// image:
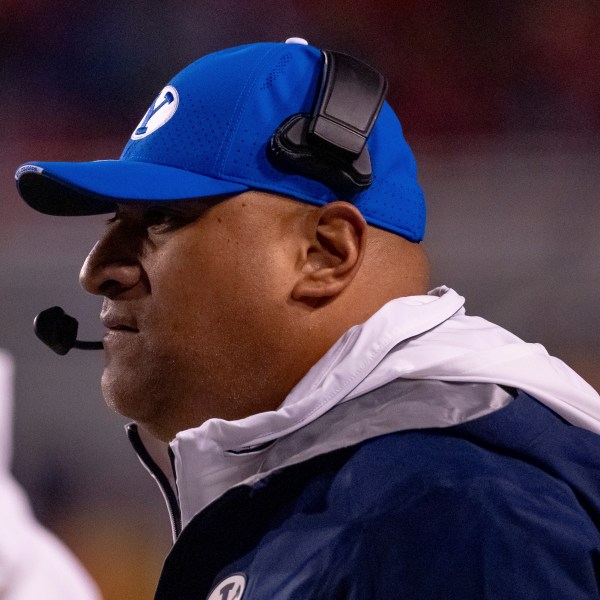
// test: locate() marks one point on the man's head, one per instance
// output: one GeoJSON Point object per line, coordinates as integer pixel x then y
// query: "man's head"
{"type": "Point", "coordinates": [226, 277]}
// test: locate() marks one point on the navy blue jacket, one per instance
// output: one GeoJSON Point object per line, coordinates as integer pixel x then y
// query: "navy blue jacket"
{"type": "Point", "coordinates": [503, 507]}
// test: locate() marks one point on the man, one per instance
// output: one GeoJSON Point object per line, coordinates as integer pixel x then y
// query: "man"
{"type": "Point", "coordinates": [334, 431]}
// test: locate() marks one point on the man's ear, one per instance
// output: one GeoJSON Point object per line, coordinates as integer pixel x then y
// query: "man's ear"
{"type": "Point", "coordinates": [334, 253]}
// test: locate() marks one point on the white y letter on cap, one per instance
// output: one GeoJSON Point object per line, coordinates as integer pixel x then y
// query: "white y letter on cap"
{"type": "Point", "coordinates": [161, 110]}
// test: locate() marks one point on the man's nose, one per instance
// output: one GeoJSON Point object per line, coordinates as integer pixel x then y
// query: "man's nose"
{"type": "Point", "coordinates": [112, 268]}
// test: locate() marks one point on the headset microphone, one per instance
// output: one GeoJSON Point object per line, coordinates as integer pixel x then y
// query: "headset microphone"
{"type": "Point", "coordinates": [59, 330]}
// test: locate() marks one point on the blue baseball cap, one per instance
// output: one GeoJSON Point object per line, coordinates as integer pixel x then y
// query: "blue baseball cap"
{"type": "Point", "coordinates": [206, 134]}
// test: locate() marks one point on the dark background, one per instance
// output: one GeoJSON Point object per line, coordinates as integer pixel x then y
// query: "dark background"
{"type": "Point", "coordinates": [499, 100]}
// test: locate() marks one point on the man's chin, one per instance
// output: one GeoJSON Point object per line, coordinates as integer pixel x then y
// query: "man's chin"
{"type": "Point", "coordinates": [136, 402]}
{"type": "Point", "coordinates": [121, 397]}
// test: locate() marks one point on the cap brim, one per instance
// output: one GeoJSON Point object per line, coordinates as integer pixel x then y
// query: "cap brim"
{"type": "Point", "coordinates": [92, 188]}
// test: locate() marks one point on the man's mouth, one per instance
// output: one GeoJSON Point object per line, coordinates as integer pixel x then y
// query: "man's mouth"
{"type": "Point", "coordinates": [122, 328]}
{"type": "Point", "coordinates": [115, 323]}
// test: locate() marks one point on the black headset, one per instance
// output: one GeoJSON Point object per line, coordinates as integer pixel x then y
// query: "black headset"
{"type": "Point", "coordinates": [329, 144]}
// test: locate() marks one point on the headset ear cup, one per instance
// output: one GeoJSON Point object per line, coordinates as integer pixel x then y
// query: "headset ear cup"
{"type": "Point", "coordinates": [288, 147]}
{"type": "Point", "coordinates": [290, 152]}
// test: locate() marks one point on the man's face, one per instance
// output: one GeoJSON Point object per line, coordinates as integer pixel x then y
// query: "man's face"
{"type": "Point", "coordinates": [194, 300]}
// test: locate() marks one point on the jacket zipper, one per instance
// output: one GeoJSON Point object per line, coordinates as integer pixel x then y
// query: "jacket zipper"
{"type": "Point", "coordinates": [158, 475]}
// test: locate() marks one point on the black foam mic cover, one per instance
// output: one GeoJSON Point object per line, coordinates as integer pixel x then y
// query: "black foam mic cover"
{"type": "Point", "coordinates": [59, 331]}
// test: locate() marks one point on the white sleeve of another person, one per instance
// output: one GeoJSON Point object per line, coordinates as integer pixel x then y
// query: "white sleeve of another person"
{"type": "Point", "coordinates": [33, 562]}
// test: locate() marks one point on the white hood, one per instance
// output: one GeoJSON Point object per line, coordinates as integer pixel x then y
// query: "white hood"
{"type": "Point", "coordinates": [471, 349]}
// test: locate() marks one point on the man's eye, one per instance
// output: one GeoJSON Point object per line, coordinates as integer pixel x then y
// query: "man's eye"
{"type": "Point", "coordinates": [155, 219]}
{"type": "Point", "coordinates": [160, 219]}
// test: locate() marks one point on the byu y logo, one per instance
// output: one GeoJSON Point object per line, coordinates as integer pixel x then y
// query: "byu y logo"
{"type": "Point", "coordinates": [231, 588]}
{"type": "Point", "coordinates": [161, 110]}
